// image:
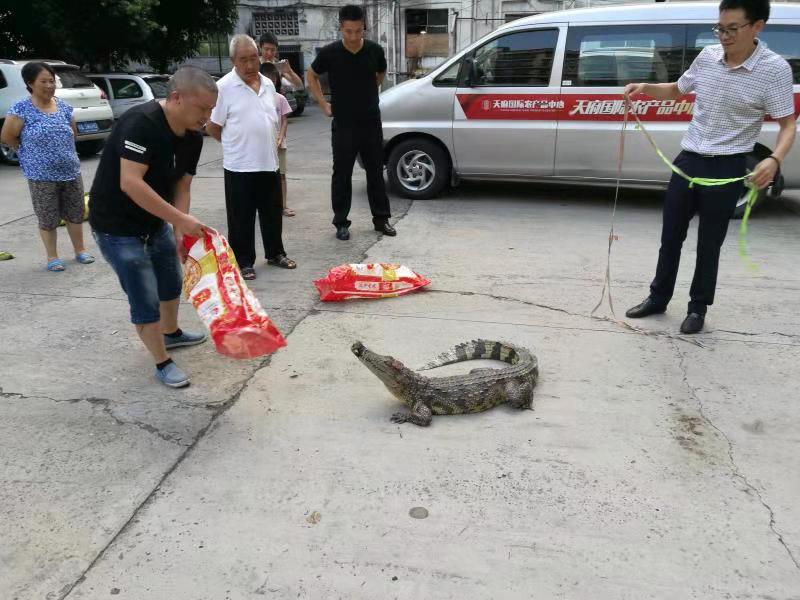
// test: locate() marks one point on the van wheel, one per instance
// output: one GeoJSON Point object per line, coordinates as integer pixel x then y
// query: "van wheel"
{"type": "Point", "coordinates": [9, 155]}
{"type": "Point", "coordinates": [418, 168]}
{"type": "Point", "coordinates": [752, 161]}
{"type": "Point", "coordinates": [89, 148]}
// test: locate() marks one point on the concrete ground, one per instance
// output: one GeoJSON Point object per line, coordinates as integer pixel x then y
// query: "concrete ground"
{"type": "Point", "coordinates": [651, 467]}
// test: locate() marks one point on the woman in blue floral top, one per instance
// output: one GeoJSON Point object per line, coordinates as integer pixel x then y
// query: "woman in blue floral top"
{"type": "Point", "coordinates": [43, 129]}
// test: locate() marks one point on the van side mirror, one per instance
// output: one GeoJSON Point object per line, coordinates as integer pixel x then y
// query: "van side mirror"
{"type": "Point", "coordinates": [470, 72]}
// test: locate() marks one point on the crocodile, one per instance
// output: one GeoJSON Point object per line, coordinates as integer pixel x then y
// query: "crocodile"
{"type": "Point", "coordinates": [479, 390]}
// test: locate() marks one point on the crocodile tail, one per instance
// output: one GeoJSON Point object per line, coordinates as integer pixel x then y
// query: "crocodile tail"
{"type": "Point", "coordinates": [473, 350]}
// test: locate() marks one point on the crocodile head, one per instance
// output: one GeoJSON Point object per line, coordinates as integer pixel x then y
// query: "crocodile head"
{"type": "Point", "coordinates": [394, 374]}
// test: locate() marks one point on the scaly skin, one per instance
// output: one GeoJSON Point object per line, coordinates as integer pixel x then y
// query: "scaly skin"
{"type": "Point", "coordinates": [479, 390]}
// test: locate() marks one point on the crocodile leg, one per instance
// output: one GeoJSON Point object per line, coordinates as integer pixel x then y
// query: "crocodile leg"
{"type": "Point", "coordinates": [520, 395]}
{"type": "Point", "coordinates": [420, 415]}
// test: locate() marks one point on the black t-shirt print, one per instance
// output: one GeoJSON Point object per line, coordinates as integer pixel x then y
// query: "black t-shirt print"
{"type": "Point", "coordinates": [141, 135]}
{"type": "Point", "coordinates": [352, 78]}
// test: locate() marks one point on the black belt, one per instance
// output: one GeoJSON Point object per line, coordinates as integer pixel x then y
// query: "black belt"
{"type": "Point", "coordinates": [739, 155]}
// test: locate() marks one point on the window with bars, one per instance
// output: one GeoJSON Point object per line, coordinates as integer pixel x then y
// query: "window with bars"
{"type": "Point", "coordinates": [279, 22]}
{"type": "Point", "coordinates": [426, 20]}
{"type": "Point", "coordinates": [426, 32]}
{"type": "Point", "coordinates": [213, 46]}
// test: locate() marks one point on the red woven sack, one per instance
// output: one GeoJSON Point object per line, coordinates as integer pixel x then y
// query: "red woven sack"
{"type": "Point", "coordinates": [239, 327]}
{"type": "Point", "coordinates": [374, 280]}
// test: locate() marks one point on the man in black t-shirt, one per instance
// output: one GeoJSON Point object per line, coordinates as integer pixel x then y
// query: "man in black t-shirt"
{"type": "Point", "coordinates": [355, 69]}
{"type": "Point", "coordinates": [142, 183]}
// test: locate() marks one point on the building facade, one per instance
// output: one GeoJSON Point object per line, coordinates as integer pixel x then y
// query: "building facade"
{"type": "Point", "coordinates": [416, 35]}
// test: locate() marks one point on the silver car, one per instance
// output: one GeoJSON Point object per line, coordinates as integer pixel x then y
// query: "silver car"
{"type": "Point", "coordinates": [126, 90]}
{"type": "Point", "coordinates": [93, 115]}
{"type": "Point", "coordinates": [540, 99]}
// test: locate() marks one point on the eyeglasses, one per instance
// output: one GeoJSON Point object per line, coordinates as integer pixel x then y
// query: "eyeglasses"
{"type": "Point", "coordinates": [731, 31]}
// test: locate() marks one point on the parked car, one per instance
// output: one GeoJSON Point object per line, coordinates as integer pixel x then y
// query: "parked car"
{"type": "Point", "coordinates": [295, 97]}
{"type": "Point", "coordinates": [540, 99]}
{"type": "Point", "coordinates": [126, 90]}
{"type": "Point", "coordinates": [93, 115]}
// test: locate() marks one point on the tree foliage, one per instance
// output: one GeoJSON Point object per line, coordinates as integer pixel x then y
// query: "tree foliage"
{"type": "Point", "coordinates": [108, 33]}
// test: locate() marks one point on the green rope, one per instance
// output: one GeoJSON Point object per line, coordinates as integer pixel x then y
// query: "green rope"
{"type": "Point", "coordinates": [752, 191]}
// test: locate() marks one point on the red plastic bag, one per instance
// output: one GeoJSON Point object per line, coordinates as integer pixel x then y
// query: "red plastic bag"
{"type": "Point", "coordinates": [239, 327]}
{"type": "Point", "coordinates": [374, 280]}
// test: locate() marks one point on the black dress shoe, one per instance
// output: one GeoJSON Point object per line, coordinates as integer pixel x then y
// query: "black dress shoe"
{"type": "Point", "coordinates": [645, 309]}
{"type": "Point", "coordinates": [385, 228]}
{"type": "Point", "coordinates": [693, 323]}
{"type": "Point", "coordinates": [342, 233]}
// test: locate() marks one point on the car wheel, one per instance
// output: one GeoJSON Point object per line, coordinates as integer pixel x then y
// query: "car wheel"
{"type": "Point", "coordinates": [299, 110]}
{"type": "Point", "coordinates": [89, 148]}
{"type": "Point", "coordinates": [741, 203]}
{"type": "Point", "coordinates": [418, 168]}
{"type": "Point", "coordinates": [9, 155]}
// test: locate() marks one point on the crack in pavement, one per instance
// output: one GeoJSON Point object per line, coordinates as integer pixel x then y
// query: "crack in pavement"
{"type": "Point", "coordinates": [633, 329]}
{"type": "Point", "coordinates": [217, 411]}
{"type": "Point", "coordinates": [653, 333]}
{"type": "Point", "coordinates": [629, 329]}
{"type": "Point", "coordinates": [63, 296]}
{"type": "Point", "coordinates": [750, 489]}
{"type": "Point", "coordinates": [614, 321]}
{"type": "Point", "coordinates": [105, 403]}
{"type": "Point", "coordinates": [12, 221]}
{"type": "Point", "coordinates": [792, 336]}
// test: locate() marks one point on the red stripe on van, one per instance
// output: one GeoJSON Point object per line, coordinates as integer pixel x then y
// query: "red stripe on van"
{"type": "Point", "coordinates": [575, 107]}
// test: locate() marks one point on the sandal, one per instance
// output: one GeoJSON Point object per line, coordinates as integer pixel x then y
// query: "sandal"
{"type": "Point", "coordinates": [282, 261]}
{"type": "Point", "coordinates": [55, 265]}
{"type": "Point", "coordinates": [84, 258]}
{"type": "Point", "coordinates": [248, 273]}
{"type": "Point", "coordinates": [288, 212]}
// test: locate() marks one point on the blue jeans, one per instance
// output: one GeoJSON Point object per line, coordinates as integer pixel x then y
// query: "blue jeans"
{"type": "Point", "coordinates": [148, 270]}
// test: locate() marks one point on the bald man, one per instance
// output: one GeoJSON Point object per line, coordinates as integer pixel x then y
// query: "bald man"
{"type": "Point", "coordinates": [143, 184]}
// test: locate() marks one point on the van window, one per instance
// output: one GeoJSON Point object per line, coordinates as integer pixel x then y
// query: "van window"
{"type": "Point", "coordinates": [124, 89]}
{"type": "Point", "coordinates": [783, 39]}
{"type": "Point", "coordinates": [449, 77]}
{"type": "Point", "coordinates": [157, 86]}
{"type": "Point", "coordinates": [523, 58]}
{"type": "Point", "coordinates": [3, 82]}
{"type": "Point", "coordinates": [617, 55]}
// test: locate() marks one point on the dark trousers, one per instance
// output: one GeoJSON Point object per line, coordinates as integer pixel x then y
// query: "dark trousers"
{"type": "Point", "coordinates": [348, 141]}
{"type": "Point", "coordinates": [245, 195]}
{"type": "Point", "coordinates": [714, 207]}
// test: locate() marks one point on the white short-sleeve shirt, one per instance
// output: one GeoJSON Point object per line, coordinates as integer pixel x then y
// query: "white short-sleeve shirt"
{"type": "Point", "coordinates": [731, 103]}
{"type": "Point", "coordinates": [249, 122]}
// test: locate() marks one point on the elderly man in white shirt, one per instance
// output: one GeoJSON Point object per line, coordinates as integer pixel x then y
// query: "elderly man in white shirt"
{"type": "Point", "coordinates": [245, 121]}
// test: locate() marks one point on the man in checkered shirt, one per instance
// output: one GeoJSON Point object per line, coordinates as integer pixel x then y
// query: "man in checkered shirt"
{"type": "Point", "coordinates": [737, 83]}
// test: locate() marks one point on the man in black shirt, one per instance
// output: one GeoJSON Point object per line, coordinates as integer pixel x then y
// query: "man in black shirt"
{"type": "Point", "coordinates": [143, 180]}
{"type": "Point", "coordinates": [355, 69]}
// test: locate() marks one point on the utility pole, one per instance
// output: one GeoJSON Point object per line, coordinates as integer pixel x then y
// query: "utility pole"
{"type": "Point", "coordinates": [455, 32]}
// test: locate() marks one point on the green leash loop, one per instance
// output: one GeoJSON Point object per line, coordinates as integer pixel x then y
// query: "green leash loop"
{"type": "Point", "coordinates": [752, 190]}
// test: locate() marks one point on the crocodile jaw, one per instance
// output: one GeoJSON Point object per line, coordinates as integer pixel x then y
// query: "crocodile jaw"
{"type": "Point", "coordinates": [392, 373]}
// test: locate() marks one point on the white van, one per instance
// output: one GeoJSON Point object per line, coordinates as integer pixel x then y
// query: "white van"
{"type": "Point", "coordinates": [92, 112]}
{"type": "Point", "coordinates": [540, 99]}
